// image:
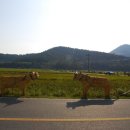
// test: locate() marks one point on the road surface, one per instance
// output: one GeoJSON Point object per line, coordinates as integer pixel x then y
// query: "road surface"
{"type": "Point", "coordinates": [64, 114]}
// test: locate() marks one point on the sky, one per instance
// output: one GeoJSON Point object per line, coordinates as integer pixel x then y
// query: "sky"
{"type": "Point", "coordinates": [32, 26]}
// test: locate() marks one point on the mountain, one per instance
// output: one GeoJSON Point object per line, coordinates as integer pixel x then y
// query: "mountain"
{"type": "Point", "coordinates": [67, 58]}
{"type": "Point", "coordinates": [123, 50]}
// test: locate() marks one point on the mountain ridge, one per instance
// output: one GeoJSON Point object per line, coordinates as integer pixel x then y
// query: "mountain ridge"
{"type": "Point", "coordinates": [123, 50]}
{"type": "Point", "coordinates": [67, 58]}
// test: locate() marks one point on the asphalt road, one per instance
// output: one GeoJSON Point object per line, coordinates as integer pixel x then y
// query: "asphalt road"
{"type": "Point", "coordinates": [64, 114]}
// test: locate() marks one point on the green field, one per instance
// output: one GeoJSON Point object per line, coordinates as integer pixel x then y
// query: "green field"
{"type": "Point", "coordinates": [60, 84]}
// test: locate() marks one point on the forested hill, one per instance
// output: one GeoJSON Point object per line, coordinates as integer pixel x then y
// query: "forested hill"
{"type": "Point", "coordinates": [8, 57]}
{"type": "Point", "coordinates": [67, 58]}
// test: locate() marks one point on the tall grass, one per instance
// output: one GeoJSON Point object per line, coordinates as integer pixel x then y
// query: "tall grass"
{"type": "Point", "coordinates": [54, 84]}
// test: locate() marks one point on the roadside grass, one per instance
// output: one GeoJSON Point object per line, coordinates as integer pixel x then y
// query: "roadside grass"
{"type": "Point", "coordinates": [56, 84]}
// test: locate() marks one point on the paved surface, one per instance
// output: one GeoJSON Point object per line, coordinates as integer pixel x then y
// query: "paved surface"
{"type": "Point", "coordinates": [64, 114]}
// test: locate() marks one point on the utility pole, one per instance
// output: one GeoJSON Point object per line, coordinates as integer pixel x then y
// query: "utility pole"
{"type": "Point", "coordinates": [88, 62]}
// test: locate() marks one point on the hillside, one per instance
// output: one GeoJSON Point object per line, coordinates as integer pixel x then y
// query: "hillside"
{"type": "Point", "coordinates": [67, 58]}
{"type": "Point", "coordinates": [8, 57]}
{"type": "Point", "coordinates": [123, 50]}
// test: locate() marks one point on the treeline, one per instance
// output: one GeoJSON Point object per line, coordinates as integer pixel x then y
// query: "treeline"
{"type": "Point", "coordinates": [67, 59]}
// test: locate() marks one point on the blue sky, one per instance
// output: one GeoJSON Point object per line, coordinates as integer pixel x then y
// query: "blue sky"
{"type": "Point", "coordinates": [31, 26]}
